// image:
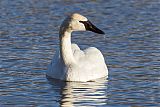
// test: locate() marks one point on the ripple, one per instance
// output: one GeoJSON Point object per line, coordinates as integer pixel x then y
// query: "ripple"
{"type": "Point", "coordinates": [29, 38]}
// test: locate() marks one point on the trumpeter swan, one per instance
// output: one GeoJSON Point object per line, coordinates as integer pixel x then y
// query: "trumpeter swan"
{"type": "Point", "coordinates": [72, 64]}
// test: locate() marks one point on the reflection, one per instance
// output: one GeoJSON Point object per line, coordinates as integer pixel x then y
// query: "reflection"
{"type": "Point", "coordinates": [81, 93]}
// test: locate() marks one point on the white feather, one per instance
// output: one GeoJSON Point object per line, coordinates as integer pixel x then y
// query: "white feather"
{"type": "Point", "coordinates": [72, 64]}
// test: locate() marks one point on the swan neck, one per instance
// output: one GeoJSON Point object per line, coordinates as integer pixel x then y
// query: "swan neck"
{"type": "Point", "coordinates": [65, 48]}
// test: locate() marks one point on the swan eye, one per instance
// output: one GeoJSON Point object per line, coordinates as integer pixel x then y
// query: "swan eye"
{"type": "Point", "coordinates": [82, 22]}
{"type": "Point", "coordinates": [89, 26]}
{"type": "Point", "coordinates": [85, 23]}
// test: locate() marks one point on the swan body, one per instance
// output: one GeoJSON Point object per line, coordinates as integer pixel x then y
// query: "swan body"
{"type": "Point", "coordinates": [70, 63]}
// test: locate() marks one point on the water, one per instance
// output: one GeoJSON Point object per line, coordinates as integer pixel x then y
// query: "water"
{"type": "Point", "coordinates": [131, 47]}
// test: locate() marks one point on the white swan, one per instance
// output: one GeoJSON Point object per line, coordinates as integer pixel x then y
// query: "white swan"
{"type": "Point", "coordinates": [72, 64]}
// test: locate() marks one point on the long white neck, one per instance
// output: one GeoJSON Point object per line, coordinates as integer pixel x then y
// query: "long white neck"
{"type": "Point", "coordinates": [65, 48]}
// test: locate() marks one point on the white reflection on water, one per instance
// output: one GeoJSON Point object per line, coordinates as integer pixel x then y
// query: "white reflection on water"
{"type": "Point", "coordinates": [81, 93]}
{"type": "Point", "coordinates": [29, 38]}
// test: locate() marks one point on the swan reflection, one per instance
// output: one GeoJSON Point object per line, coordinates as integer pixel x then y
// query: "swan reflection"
{"type": "Point", "coordinates": [81, 93]}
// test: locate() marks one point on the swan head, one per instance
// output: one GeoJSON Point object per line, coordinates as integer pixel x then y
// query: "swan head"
{"type": "Point", "coordinates": [77, 22]}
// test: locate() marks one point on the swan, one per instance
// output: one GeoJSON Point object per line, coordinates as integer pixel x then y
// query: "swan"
{"type": "Point", "coordinates": [70, 63]}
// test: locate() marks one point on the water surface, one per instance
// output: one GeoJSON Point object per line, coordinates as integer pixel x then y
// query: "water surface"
{"type": "Point", "coordinates": [131, 47]}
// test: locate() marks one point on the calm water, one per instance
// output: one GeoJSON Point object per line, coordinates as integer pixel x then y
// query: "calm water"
{"type": "Point", "coordinates": [131, 47]}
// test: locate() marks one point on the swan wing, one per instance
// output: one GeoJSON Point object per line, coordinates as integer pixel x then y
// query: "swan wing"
{"type": "Point", "coordinates": [90, 61]}
{"type": "Point", "coordinates": [74, 47]}
{"type": "Point", "coordinates": [93, 54]}
{"type": "Point", "coordinates": [55, 68]}
{"type": "Point", "coordinates": [89, 56]}
{"type": "Point", "coordinates": [77, 53]}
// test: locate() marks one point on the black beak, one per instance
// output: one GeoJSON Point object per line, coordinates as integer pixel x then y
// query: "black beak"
{"type": "Point", "coordinates": [89, 26]}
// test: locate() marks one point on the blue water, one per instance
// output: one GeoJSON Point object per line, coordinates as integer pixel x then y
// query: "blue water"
{"type": "Point", "coordinates": [131, 47]}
